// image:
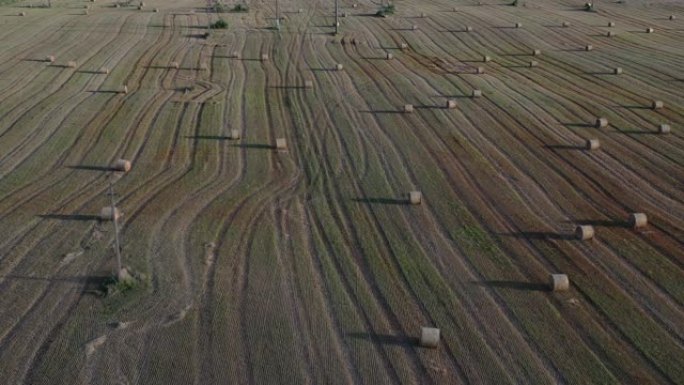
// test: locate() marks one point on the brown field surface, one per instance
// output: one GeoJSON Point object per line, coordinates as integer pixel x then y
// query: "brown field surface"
{"type": "Point", "coordinates": [308, 266]}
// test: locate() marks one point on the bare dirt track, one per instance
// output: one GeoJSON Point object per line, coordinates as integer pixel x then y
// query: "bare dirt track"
{"type": "Point", "coordinates": [307, 266]}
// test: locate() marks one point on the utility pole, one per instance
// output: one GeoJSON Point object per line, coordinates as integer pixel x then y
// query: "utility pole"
{"type": "Point", "coordinates": [116, 226]}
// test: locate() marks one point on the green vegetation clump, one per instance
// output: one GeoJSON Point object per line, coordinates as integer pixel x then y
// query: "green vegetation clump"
{"type": "Point", "coordinates": [385, 10]}
{"type": "Point", "coordinates": [219, 24]}
{"type": "Point", "coordinates": [240, 8]}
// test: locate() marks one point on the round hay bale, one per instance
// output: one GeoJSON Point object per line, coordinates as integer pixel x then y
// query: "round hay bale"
{"type": "Point", "coordinates": [264, 57]}
{"type": "Point", "coordinates": [423, 15]}
{"type": "Point", "coordinates": [104, 70]}
{"type": "Point", "coordinates": [657, 104]}
{"type": "Point", "coordinates": [533, 63]}
{"type": "Point", "coordinates": [124, 90]}
{"type": "Point", "coordinates": [404, 46]}
{"type": "Point", "coordinates": [429, 337]}
{"type": "Point", "coordinates": [486, 59]}
{"type": "Point", "coordinates": [414, 27]}
{"type": "Point", "coordinates": [469, 29]}
{"type": "Point", "coordinates": [110, 214]}
{"type": "Point", "coordinates": [71, 64]}
{"type": "Point", "coordinates": [235, 134]}
{"type": "Point", "coordinates": [22, 13]}
{"type": "Point", "coordinates": [281, 144]}
{"type": "Point", "coordinates": [355, 5]}
{"type": "Point", "coordinates": [601, 122]}
{"type": "Point", "coordinates": [300, 10]}
{"type": "Point", "coordinates": [566, 24]}
{"type": "Point", "coordinates": [650, 30]}
{"type": "Point", "coordinates": [611, 24]}
{"type": "Point", "coordinates": [617, 71]}
{"type": "Point", "coordinates": [559, 282]}
{"type": "Point", "coordinates": [389, 56]}
{"type": "Point", "coordinates": [308, 84]}
{"type": "Point", "coordinates": [204, 67]}
{"type": "Point", "coordinates": [588, 47]}
{"type": "Point", "coordinates": [450, 104]}
{"type": "Point", "coordinates": [415, 197]}
{"type": "Point", "coordinates": [637, 220]}
{"type": "Point", "coordinates": [339, 67]}
{"type": "Point", "coordinates": [85, 12]}
{"type": "Point", "coordinates": [235, 55]}
{"type": "Point", "coordinates": [50, 59]}
{"type": "Point", "coordinates": [518, 25]}
{"type": "Point", "coordinates": [122, 165]}
{"type": "Point", "coordinates": [584, 232]}
{"type": "Point", "coordinates": [593, 144]}
{"type": "Point", "coordinates": [610, 34]}
{"type": "Point", "coordinates": [476, 94]}
{"type": "Point", "coordinates": [480, 70]}
{"type": "Point", "coordinates": [140, 8]}
{"type": "Point", "coordinates": [672, 17]}
{"type": "Point", "coordinates": [536, 52]}
{"type": "Point", "coordinates": [174, 65]}
{"type": "Point", "coordinates": [156, 10]}
{"type": "Point", "coordinates": [664, 129]}
{"type": "Point", "coordinates": [408, 108]}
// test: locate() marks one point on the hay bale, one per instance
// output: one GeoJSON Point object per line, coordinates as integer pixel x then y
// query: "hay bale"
{"type": "Point", "coordinates": [339, 67]}
{"type": "Point", "coordinates": [389, 56]}
{"type": "Point", "coordinates": [235, 134]}
{"type": "Point", "coordinates": [104, 70]}
{"type": "Point", "coordinates": [156, 10]}
{"type": "Point", "coordinates": [414, 27]}
{"type": "Point", "coordinates": [124, 90]}
{"type": "Point", "coordinates": [109, 214]}
{"type": "Point", "coordinates": [300, 10]}
{"type": "Point", "coordinates": [617, 71]}
{"type": "Point", "coordinates": [429, 337]}
{"type": "Point", "coordinates": [610, 34]}
{"type": "Point", "coordinates": [533, 63]}
{"type": "Point", "coordinates": [264, 57]}
{"type": "Point", "coordinates": [672, 17]}
{"type": "Point", "coordinates": [469, 29]}
{"type": "Point", "coordinates": [50, 59]}
{"type": "Point", "coordinates": [584, 232]}
{"type": "Point", "coordinates": [486, 59]}
{"type": "Point", "coordinates": [601, 122]}
{"type": "Point", "coordinates": [71, 64]}
{"type": "Point", "coordinates": [450, 104]}
{"type": "Point", "coordinates": [22, 13]}
{"type": "Point", "coordinates": [140, 8]}
{"type": "Point", "coordinates": [664, 129]}
{"type": "Point", "coordinates": [408, 108]}
{"type": "Point", "coordinates": [566, 24]}
{"type": "Point", "coordinates": [423, 15]}
{"type": "Point", "coordinates": [308, 83]}
{"type": "Point", "coordinates": [536, 52]}
{"type": "Point", "coordinates": [588, 47]}
{"type": "Point", "coordinates": [174, 65]}
{"type": "Point", "coordinates": [657, 104]}
{"type": "Point", "coordinates": [281, 144]}
{"type": "Point", "coordinates": [122, 165]}
{"type": "Point", "coordinates": [611, 24]}
{"type": "Point", "coordinates": [476, 94]}
{"type": "Point", "coordinates": [415, 197]}
{"type": "Point", "coordinates": [403, 46]}
{"type": "Point", "coordinates": [637, 220]}
{"type": "Point", "coordinates": [85, 12]}
{"type": "Point", "coordinates": [593, 144]}
{"type": "Point", "coordinates": [355, 5]}
{"type": "Point", "coordinates": [235, 55]}
{"type": "Point", "coordinates": [480, 70]}
{"type": "Point", "coordinates": [650, 30]}
{"type": "Point", "coordinates": [204, 67]}
{"type": "Point", "coordinates": [559, 282]}
{"type": "Point", "coordinates": [518, 25]}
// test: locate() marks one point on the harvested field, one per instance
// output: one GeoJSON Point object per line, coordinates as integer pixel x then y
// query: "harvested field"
{"type": "Point", "coordinates": [308, 264]}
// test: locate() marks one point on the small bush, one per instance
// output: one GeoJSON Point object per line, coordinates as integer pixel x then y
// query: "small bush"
{"type": "Point", "coordinates": [219, 24]}
{"type": "Point", "coordinates": [240, 8]}
{"type": "Point", "coordinates": [385, 10]}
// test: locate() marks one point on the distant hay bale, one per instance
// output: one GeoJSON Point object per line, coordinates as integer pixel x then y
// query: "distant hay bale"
{"type": "Point", "coordinates": [300, 10]}
{"type": "Point", "coordinates": [174, 65]}
{"type": "Point", "coordinates": [672, 17]}
{"type": "Point", "coordinates": [565, 24]}
{"type": "Point", "coordinates": [476, 94]}
{"type": "Point", "coordinates": [50, 59]}
{"type": "Point", "coordinates": [344, 14]}
{"type": "Point", "coordinates": [71, 64]}
{"type": "Point", "coordinates": [122, 165]}
{"type": "Point", "coordinates": [559, 282]}
{"type": "Point", "coordinates": [389, 56]}
{"type": "Point", "coordinates": [451, 104]}
{"type": "Point", "coordinates": [423, 15]}
{"type": "Point", "coordinates": [235, 134]}
{"type": "Point", "coordinates": [486, 59]}
{"type": "Point", "coordinates": [415, 197]}
{"type": "Point", "coordinates": [429, 337]}
{"type": "Point", "coordinates": [518, 25]}
{"type": "Point", "coordinates": [533, 63]}
{"type": "Point", "coordinates": [414, 27]}
{"type": "Point", "coordinates": [611, 24]}
{"type": "Point", "coordinates": [588, 47]}
{"type": "Point", "coordinates": [107, 214]}
{"type": "Point", "coordinates": [408, 108]}
{"type": "Point", "coordinates": [281, 144]}
{"type": "Point", "coordinates": [140, 8]}
{"type": "Point", "coordinates": [403, 46]}
{"type": "Point", "coordinates": [355, 5]}
{"type": "Point", "coordinates": [650, 30]}
{"type": "Point", "coordinates": [480, 70]}
{"type": "Point", "coordinates": [204, 67]}
{"type": "Point", "coordinates": [601, 122]}
{"type": "Point", "coordinates": [593, 144]}
{"type": "Point", "coordinates": [264, 57]}
{"type": "Point", "coordinates": [610, 34]}
{"type": "Point", "coordinates": [617, 71]}
{"type": "Point", "coordinates": [339, 67]}
{"type": "Point", "coordinates": [85, 12]}
{"type": "Point", "coordinates": [235, 55]}
{"type": "Point", "coordinates": [637, 220]}
{"type": "Point", "coordinates": [104, 70]}
{"type": "Point", "coordinates": [308, 84]}
{"type": "Point", "coordinates": [536, 52]}
{"type": "Point", "coordinates": [22, 13]}
{"type": "Point", "coordinates": [124, 90]}
{"type": "Point", "coordinates": [468, 28]}
{"type": "Point", "coordinates": [657, 104]}
{"type": "Point", "coordinates": [584, 232]}
{"type": "Point", "coordinates": [156, 10]}
{"type": "Point", "coordinates": [664, 129]}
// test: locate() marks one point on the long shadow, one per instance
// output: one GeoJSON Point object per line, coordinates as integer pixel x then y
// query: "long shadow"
{"type": "Point", "coordinates": [164, 68]}
{"type": "Point", "coordinates": [70, 217]}
{"type": "Point", "coordinates": [95, 281]}
{"type": "Point", "coordinates": [516, 54]}
{"type": "Point", "coordinates": [207, 137]}
{"type": "Point", "coordinates": [385, 339]}
{"type": "Point", "coordinates": [381, 201]}
{"type": "Point", "coordinates": [287, 87]}
{"type": "Point", "coordinates": [563, 147]}
{"type": "Point", "coordinates": [89, 72]}
{"type": "Point", "coordinates": [382, 111]}
{"type": "Point", "coordinates": [635, 132]}
{"type": "Point", "coordinates": [402, 29]}
{"type": "Point", "coordinates": [323, 69]}
{"type": "Point", "coordinates": [196, 35]}
{"type": "Point", "coordinates": [255, 146]}
{"type": "Point", "coordinates": [538, 235]}
{"type": "Point", "coordinates": [635, 107]}
{"type": "Point", "coordinates": [428, 107]}
{"type": "Point", "coordinates": [91, 168]}
{"type": "Point", "coordinates": [105, 92]}
{"type": "Point", "coordinates": [579, 125]}
{"type": "Point", "coordinates": [599, 222]}
{"type": "Point", "coordinates": [513, 27]}
{"type": "Point", "coordinates": [514, 285]}
{"type": "Point", "coordinates": [36, 60]}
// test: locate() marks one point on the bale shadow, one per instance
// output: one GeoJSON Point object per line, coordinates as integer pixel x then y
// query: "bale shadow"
{"type": "Point", "coordinates": [91, 168]}
{"type": "Point", "coordinates": [259, 146]}
{"type": "Point", "coordinates": [323, 69]}
{"type": "Point", "coordinates": [207, 137]}
{"type": "Point", "coordinates": [599, 73]}
{"type": "Point", "coordinates": [70, 217]}
{"type": "Point", "coordinates": [36, 60]}
{"type": "Point", "coordinates": [382, 111]}
{"type": "Point", "coordinates": [90, 72]}
{"type": "Point", "coordinates": [514, 285]}
{"type": "Point", "coordinates": [635, 132]}
{"type": "Point", "coordinates": [89, 282]}
{"type": "Point", "coordinates": [385, 339]}
{"type": "Point", "coordinates": [105, 92]}
{"type": "Point", "coordinates": [578, 125]}
{"type": "Point", "coordinates": [539, 235]}
{"type": "Point", "coordinates": [563, 147]}
{"type": "Point", "coordinates": [196, 35]}
{"type": "Point", "coordinates": [600, 222]}
{"type": "Point", "coordinates": [381, 201]}
{"type": "Point", "coordinates": [632, 107]}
